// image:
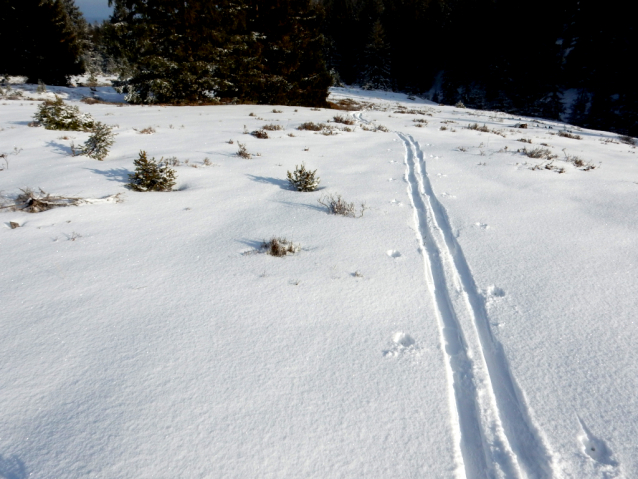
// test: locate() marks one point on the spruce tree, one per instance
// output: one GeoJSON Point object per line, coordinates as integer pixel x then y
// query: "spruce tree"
{"type": "Point", "coordinates": [181, 52]}
{"type": "Point", "coordinates": [248, 50]}
{"type": "Point", "coordinates": [39, 41]}
{"type": "Point", "coordinates": [291, 64]}
{"type": "Point", "coordinates": [376, 60]}
{"type": "Point", "coordinates": [578, 115]}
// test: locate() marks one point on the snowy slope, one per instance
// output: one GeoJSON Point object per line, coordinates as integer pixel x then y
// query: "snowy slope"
{"type": "Point", "coordinates": [479, 320]}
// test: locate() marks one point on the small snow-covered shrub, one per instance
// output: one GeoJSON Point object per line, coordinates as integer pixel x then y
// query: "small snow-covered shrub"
{"type": "Point", "coordinates": [459, 104]}
{"type": "Point", "coordinates": [628, 140]}
{"type": "Point", "coordinates": [99, 143]}
{"type": "Point", "coordinates": [338, 206]}
{"type": "Point", "coordinates": [302, 179]}
{"type": "Point", "coordinates": [279, 247]}
{"type": "Point", "coordinates": [57, 115]}
{"type": "Point", "coordinates": [151, 175]}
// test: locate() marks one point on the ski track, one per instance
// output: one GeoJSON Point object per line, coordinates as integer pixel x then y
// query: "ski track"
{"type": "Point", "coordinates": [495, 435]}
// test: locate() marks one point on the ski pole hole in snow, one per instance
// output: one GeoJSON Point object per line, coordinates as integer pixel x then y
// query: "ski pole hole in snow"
{"type": "Point", "coordinates": [594, 447]}
{"type": "Point", "coordinates": [392, 253]}
{"type": "Point", "coordinates": [495, 291]}
{"type": "Point", "coordinates": [401, 343]}
{"type": "Point", "coordinates": [403, 339]}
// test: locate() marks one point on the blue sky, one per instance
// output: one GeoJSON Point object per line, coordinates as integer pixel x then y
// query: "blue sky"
{"type": "Point", "coordinates": [94, 9]}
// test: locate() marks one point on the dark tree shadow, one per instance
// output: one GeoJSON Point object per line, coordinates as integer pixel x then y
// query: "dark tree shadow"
{"type": "Point", "coordinates": [114, 174]}
{"type": "Point", "coordinates": [60, 148]}
{"type": "Point", "coordinates": [12, 468]}
{"type": "Point", "coordinates": [256, 245]}
{"type": "Point", "coordinates": [316, 207]}
{"type": "Point", "coordinates": [283, 184]}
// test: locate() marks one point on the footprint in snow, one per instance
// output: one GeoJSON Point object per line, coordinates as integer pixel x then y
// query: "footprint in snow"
{"type": "Point", "coordinates": [392, 253]}
{"type": "Point", "coordinates": [483, 226]}
{"type": "Point", "coordinates": [396, 203]}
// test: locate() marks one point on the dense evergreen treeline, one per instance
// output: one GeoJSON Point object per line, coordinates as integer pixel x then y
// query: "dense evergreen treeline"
{"type": "Point", "coordinates": [263, 51]}
{"type": "Point", "coordinates": [512, 56]}
{"type": "Point", "coordinates": [518, 57]}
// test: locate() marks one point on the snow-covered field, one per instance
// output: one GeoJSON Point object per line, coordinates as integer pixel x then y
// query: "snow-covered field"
{"type": "Point", "coordinates": [479, 320]}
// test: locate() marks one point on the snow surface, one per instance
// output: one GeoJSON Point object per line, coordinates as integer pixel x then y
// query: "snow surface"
{"type": "Point", "coordinates": [479, 320]}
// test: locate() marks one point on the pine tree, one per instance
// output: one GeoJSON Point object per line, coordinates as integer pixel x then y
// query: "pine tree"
{"type": "Point", "coordinates": [376, 64]}
{"type": "Point", "coordinates": [182, 52]}
{"type": "Point", "coordinates": [292, 68]}
{"type": "Point", "coordinates": [244, 50]}
{"type": "Point", "coordinates": [578, 115]}
{"type": "Point", "coordinates": [39, 41]}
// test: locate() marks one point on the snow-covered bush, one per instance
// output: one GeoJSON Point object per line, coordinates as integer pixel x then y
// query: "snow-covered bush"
{"type": "Point", "coordinates": [151, 175]}
{"type": "Point", "coordinates": [302, 179]}
{"type": "Point", "coordinates": [99, 143]}
{"type": "Point", "coordinates": [57, 115]}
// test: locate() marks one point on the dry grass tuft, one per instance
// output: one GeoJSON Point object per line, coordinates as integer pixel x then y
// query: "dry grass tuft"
{"type": "Point", "coordinates": [338, 206]}
{"type": "Point", "coordinates": [346, 104]}
{"type": "Point", "coordinates": [33, 202]}
{"type": "Point", "coordinates": [242, 152]}
{"type": "Point", "coordinates": [343, 119]}
{"type": "Point", "coordinates": [261, 134]}
{"type": "Point", "coordinates": [566, 134]}
{"type": "Point", "coordinates": [538, 153]}
{"type": "Point", "coordinates": [272, 127]}
{"type": "Point", "coordinates": [310, 126]}
{"type": "Point", "coordinates": [279, 247]}
{"type": "Point", "coordinates": [375, 128]}
{"type": "Point", "coordinates": [548, 166]}
{"type": "Point", "coordinates": [89, 100]}
{"type": "Point", "coordinates": [146, 131]}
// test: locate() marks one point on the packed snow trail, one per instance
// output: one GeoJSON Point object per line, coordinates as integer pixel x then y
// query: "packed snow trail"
{"type": "Point", "coordinates": [495, 434]}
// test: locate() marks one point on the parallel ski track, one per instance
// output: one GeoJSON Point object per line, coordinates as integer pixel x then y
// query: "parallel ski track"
{"type": "Point", "coordinates": [495, 433]}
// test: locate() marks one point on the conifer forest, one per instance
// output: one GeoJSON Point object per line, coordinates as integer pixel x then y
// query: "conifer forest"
{"type": "Point", "coordinates": [560, 59]}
